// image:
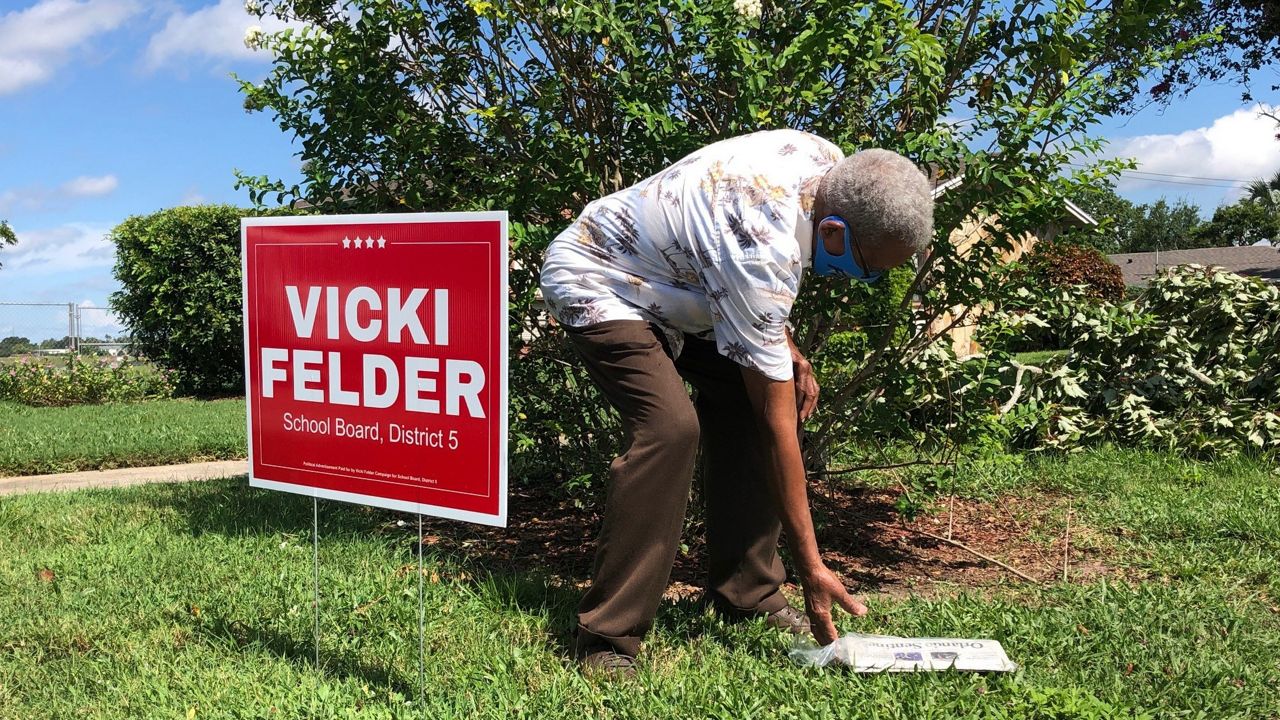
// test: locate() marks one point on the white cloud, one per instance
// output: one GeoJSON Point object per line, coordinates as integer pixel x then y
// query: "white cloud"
{"type": "Point", "coordinates": [97, 320]}
{"type": "Point", "coordinates": [1241, 146]}
{"type": "Point", "coordinates": [35, 198]}
{"type": "Point", "coordinates": [214, 32]}
{"type": "Point", "coordinates": [73, 246]}
{"type": "Point", "coordinates": [29, 198]}
{"type": "Point", "coordinates": [193, 196]}
{"type": "Point", "coordinates": [88, 186]}
{"type": "Point", "coordinates": [36, 41]}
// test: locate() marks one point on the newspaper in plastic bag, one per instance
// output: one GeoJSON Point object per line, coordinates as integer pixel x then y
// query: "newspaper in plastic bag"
{"type": "Point", "coordinates": [885, 653]}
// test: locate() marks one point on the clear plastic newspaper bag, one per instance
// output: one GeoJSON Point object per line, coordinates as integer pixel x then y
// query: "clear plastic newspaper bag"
{"type": "Point", "coordinates": [885, 653]}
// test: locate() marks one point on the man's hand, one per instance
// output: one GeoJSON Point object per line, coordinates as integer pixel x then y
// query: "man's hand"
{"type": "Point", "coordinates": [823, 591]}
{"type": "Point", "coordinates": [806, 382]}
{"type": "Point", "coordinates": [806, 387]}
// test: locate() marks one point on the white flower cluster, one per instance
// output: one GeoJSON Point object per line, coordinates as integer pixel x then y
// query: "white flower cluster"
{"type": "Point", "coordinates": [253, 7]}
{"type": "Point", "coordinates": [749, 9]}
{"type": "Point", "coordinates": [254, 37]}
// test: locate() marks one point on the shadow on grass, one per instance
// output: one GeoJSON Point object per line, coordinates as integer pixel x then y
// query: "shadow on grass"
{"type": "Point", "coordinates": [538, 566]}
{"type": "Point", "coordinates": [533, 594]}
{"type": "Point", "coordinates": [546, 533]}
{"type": "Point", "coordinates": [229, 507]}
{"type": "Point", "coordinates": [245, 636]}
{"type": "Point", "coordinates": [507, 581]}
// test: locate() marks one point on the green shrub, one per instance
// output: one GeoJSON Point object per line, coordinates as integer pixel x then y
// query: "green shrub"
{"type": "Point", "coordinates": [864, 314]}
{"type": "Point", "coordinates": [83, 382]}
{"type": "Point", "coordinates": [1192, 366]}
{"type": "Point", "coordinates": [1053, 267]}
{"type": "Point", "coordinates": [179, 271]}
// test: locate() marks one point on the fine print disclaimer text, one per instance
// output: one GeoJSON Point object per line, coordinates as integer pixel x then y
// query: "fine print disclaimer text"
{"type": "Point", "coordinates": [336, 426]}
{"type": "Point", "coordinates": [371, 473]}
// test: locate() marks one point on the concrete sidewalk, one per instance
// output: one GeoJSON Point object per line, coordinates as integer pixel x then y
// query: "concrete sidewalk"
{"type": "Point", "coordinates": [123, 477]}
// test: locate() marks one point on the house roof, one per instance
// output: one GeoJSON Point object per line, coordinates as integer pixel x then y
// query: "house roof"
{"type": "Point", "coordinates": [942, 187]}
{"type": "Point", "coordinates": [1262, 261]}
{"type": "Point", "coordinates": [1078, 214]}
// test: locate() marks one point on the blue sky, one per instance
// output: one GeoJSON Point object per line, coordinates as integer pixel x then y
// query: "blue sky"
{"type": "Point", "coordinates": [110, 108]}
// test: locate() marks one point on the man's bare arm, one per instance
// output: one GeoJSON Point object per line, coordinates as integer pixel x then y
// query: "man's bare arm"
{"type": "Point", "coordinates": [775, 405]}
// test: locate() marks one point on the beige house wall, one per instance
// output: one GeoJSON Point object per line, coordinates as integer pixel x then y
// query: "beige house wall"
{"type": "Point", "coordinates": [964, 238]}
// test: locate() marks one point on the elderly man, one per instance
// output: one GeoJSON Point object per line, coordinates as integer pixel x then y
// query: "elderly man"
{"type": "Point", "coordinates": [691, 275]}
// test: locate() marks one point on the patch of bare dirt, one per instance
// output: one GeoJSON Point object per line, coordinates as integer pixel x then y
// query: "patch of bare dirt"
{"type": "Point", "coordinates": [867, 541]}
{"type": "Point", "coordinates": [862, 536]}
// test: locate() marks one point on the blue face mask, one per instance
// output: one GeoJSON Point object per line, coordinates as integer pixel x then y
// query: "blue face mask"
{"type": "Point", "coordinates": [844, 265]}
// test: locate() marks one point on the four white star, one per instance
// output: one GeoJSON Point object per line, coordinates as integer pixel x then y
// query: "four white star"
{"type": "Point", "coordinates": [366, 242]}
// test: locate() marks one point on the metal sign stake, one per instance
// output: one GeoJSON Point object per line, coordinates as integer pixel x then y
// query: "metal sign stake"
{"type": "Point", "coordinates": [315, 557]}
{"type": "Point", "coordinates": [422, 675]}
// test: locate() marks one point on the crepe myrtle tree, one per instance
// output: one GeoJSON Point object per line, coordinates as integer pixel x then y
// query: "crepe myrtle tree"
{"type": "Point", "coordinates": [539, 107]}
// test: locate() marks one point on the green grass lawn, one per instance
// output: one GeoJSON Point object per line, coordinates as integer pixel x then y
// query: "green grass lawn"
{"type": "Point", "coordinates": [89, 437]}
{"type": "Point", "coordinates": [53, 360]}
{"type": "Point", "coordinates": [174, 601]}
{"type": "Point", "coordinates": [1035, 357]}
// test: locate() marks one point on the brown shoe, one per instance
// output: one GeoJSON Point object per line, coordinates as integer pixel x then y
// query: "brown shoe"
{"type": "Point", "coordinates": [789, 618]}
{"type": "Point", "coordinates": [610, 663]}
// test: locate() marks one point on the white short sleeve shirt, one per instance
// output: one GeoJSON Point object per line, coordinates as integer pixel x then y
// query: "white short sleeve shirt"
{"type": "Point", "coordinates": [710, 246]}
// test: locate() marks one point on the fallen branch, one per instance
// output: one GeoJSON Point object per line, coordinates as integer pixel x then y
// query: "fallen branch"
{"type": "Point", "coordinates": [1066, 547]}
{"type": "Point", "coordinates": [860, 468]}
{"type": "Point", "coordinates": [1204, 379]}
{"type": "Point", "coordinates": [968, 549]}
{"type": "Point", "coordinates": [1017, 385]}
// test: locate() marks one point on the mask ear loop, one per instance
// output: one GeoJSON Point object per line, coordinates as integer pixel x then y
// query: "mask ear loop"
{"type": "Point", "coordinates": [862, 261]}
{"type": "Point", "coordinates": [848, 235]}
{"type": "Point", "coordinates": [859, 261]}
{"type": "Point", "coordinates": [848, 244]}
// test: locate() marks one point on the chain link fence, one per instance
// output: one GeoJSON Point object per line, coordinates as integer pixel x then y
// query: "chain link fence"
{"type": "Point", "coordinates": [99, 332]}
{"type": "Point", "coordinates": [36, 330]}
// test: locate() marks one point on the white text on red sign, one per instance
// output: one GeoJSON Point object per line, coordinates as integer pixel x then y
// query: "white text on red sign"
{"type": "Point", "coordinates": [415, 384]}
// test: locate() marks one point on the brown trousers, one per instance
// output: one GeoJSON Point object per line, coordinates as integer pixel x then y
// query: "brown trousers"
{"type": "Point", "coordinates": [649, 483]}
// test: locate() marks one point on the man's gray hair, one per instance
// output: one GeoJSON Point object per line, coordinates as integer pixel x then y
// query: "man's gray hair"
{"type": "Point", "coordinates": [883, 196]}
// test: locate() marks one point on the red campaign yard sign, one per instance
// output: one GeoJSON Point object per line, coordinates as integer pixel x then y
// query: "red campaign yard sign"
{"type": "Point", "coordinates": [376, 360]}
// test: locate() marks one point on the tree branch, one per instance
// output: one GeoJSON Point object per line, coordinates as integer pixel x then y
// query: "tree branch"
{"type": "Point", "coordinates": [975, 553]}
{"type": "Point", "coordinates": [892, 466]}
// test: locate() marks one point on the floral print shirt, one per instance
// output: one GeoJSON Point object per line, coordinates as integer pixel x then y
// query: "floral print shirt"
{"type": "Point", "coordinates": [712, 246]}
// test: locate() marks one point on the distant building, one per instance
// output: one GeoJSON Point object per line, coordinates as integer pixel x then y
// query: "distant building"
{"type": "Point", "coordinates": [1260, 261]}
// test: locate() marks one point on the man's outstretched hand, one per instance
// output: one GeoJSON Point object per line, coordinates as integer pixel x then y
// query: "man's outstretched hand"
{"type": "Point", "coordinates": [823, 591]}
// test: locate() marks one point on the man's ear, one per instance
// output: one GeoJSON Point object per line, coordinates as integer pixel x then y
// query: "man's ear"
{"type": "Point", "coordinates": [832, 236]}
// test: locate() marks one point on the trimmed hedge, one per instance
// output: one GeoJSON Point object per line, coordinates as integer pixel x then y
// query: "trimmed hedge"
{"type": "Point", "coordinates": [180, 297]}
